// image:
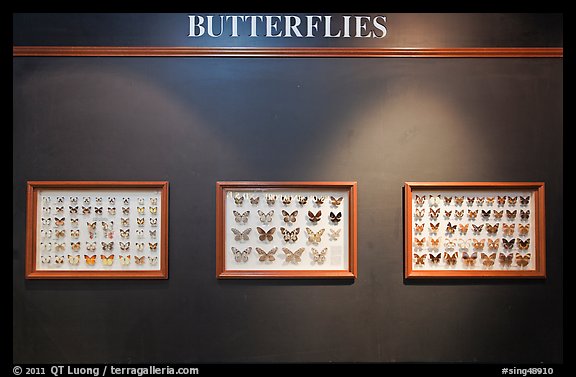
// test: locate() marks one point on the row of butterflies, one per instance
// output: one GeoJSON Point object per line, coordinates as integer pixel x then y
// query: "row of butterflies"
{"type": "Point", "coordinates": [473, 214]}
{"type": "Point", "coordinates": [522, 260]}
{"type": "Point", "coordinates": [242, 218]}
{"type": "Point", "coordinates": [464, 244]}
{"type": "Point", "coordinates": [507, 229]}
{"type": "Point", "coordinates": [106, 225]}
{"type": "Point", "coordinates": [295, 257]}
{"type": "Point", "coordinates": [86, 200]}
{"type": "Point", "coordinates": [74, 210]}
{"type": "Point", "coordinates": [107, 260]}
{"type": "Point", "coordinates": [91, 246]}
{"type": "Point", "coordinates": [46, 234]}
{"type": "Point", "coordinates": [286, 199]}
{"type": "Point", "coordinates": [287, 235]}
{"type": "Point", "coordinates": [436, 200]}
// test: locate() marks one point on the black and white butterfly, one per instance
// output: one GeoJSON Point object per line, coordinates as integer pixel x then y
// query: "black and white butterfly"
{"type": "Point", "coordinates": [265, 217]}
{"type": "Point", "coordinates": [241, 256]}
{"type": "Point", "coordinates": [289, 217]}
{"type": "Point", "coordinates": [335, 218]}
{"type": "Point", "coordinates": [290, 235]}
{"type": "Point", "coordinates": [319, 256]}
{"type": "Point", "coordinates": [240, 217]}
{"type": "Point", "coordinates": [241, 236]}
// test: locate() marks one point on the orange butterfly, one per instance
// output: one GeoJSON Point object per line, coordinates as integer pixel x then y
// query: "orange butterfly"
{"type": "Point", "coordinates": [472, 214]}
{"type": "Point", "coordinates": [447, 214]}
{"type": "Point", "coordinates": [419, 259]}
{"type": "Point", "coordinates": [512, 200]}
{"type": "Point", "coordinates": [434, 227]}
{"type": "Point", "coordinates": [90, 260]}
{"type": "Point", "coordinates": [498, 214]}
{"type": "Point", "coordinates": [434, 213]}
{"type": "Point", "coordinates": [490, 200]}
{"type": "Point", "coordinates": [420, 200]}
{"type": "Point", "coordinates": [107, 260]}
{"type": "Point", "coordinates": [463, 228]}
{"type": "Point", "coordinates": [523, 229]}
{"type": "Point", "coordinates": [459, 200]}
{"type": "Point", "coordinates": [434, 243]}
{"type": "Point", "coordinates": [469, 259]}
{"type": "Point", "coordinates": [523, 244]}
{"type": "Point", "coordinates": [501, 200]}
{"type": "Point", "coordinates": [511, 215]}
{"type": "Point", "coordinates": [447, 200]}
{"type": "Point", "coordinates": [418, 228]}
{"type": "Point", "coordinates": [480, 200]}
{"type": "Point", "coordinates": [420, 242]}
{"type": "Point", "coordinates": [488, 260]}
{"type": "Point", "coordinates": [522, 260]}
{"type": "Point", "coordinates": [451, 259]}
{"type": "Point", "coordinates": [478, 244]}
{"type": "Point", "coordinates": [508, 230]}
{"type": "Point", "coordinates": [492, 229]}
{"type": "Point", "coordinates": [450, 229]}
{"type": "Point", "coordinates": [459, 214]}
{"type": "Point", "coordinates": [493, 244]}
{"type": "Point", "coordinates": [505, 260]}
{"type": "Point", "coordinates": [419, 213]}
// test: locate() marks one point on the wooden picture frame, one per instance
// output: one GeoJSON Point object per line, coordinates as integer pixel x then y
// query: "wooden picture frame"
{"type": "Point", "coordinates": [269, 217]}
{"type": "Point", "coordinates": [97, 230]}
{"type": "Point", "coordinates": [474, 230]}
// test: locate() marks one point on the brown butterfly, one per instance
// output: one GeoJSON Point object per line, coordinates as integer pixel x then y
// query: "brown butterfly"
{"type": "Point", "coordinates": [434, 227]}
{"type": "Point", "coordinates": [314, 217]}
{"type": "Point", "coordinates": [270, 199]}
{"type": "Point", "coordinates": [86, 210]}
{"type": "Point", "coordinates": [508, 230]}
{"type": "Point", "coordinates": [435, 258]}
{"type": "Point", "coordinates": [319, 200]}
{"type": "Point", "coordinates": [478, 244]}
{"type": "Point", "coordinates": [488, 260]}
{"type": "Point", "coordinates": [450, 229]}
{"type": "Point", "coordinates": [501, 200]}
{"type": "Point", "coordinates": [477, 228]}
{"type": "Point", "coordinates": [73, 210]}
{"type": "Point", "coordinates": [505, 260]}
{"type": "Point", "coordinates": [302, 199]}
{"type": "Point", "coordinates": [286, 199]}
{"type": "Point", "coordinates": [293, 256]}
{"type": "Point", "coordinates": [525, 200]}
{"type": "Point", "coordinates": [254, 200]}
{"type": "Point", "coordinates": [490, 200]}
{"type": "Point", "coordinates": [451, 259]}
{"type": "Point", "coordinates": [434, 213]}
{"type": "Point", "coordinates": [418, 228]}
{"type": "Point", "coordinates": [336, 201]}
{"type": "Point", "coordinates": [493, 244]}
{"type": "Point", "coordinates": [419, 200]}
{"type": "Point", "coordinates": [512, 200]}
{"type": "Point", "coordinates": [498, 214]}
{"type": "Point", "coordinates": [523, 229]}
{"type": "Point", "coordinates": [290, 236]}
{"type": "Point", "coordinates": [238, 199]}
{"type": "Point", "coordinates": [463, 228]}
{"type": "Point", "coordinates": [419, 259]}
{"type": "Point", "coordinates": [266, 235]}
{"type": "Point", "coordinates": [480, 200]}
{"type": "Point", "coordinates": [511, 215]}
{"type": "Point", "coordinates": [492, 229]}
{"type": "Point", "coordinates": [75, 246]}
{"type": "Point", "coordinates": [447, 214]}
{"type": "Point", "coordinates": [419, 213]}
{"type": "Point", "coordinates": [335, 218]}
{"type": "Point", "coordinates": [98, 210]}
{"type": "Point", "coordinates": [525, 215]}
{"type": "Point", "coordinates": [459, 214]}
{"type": "Point", "coordinates": [470, 200]}
{"type": "Point", "coordinates": [486, 214]}
{"type": "Point", "coordinates": [458, 200]}
{"type": "Point", "coordinates": [266, 256]}
{"type": "Point", "coordinates": [139, 260]}
{"type": "Point", "coordinates": [523, 244]}
{"type": "Point", "coordinates": [419, 242]}
{"type": "Point", "coordinates": [508, 244]}
{"type": "Point", "coordinates": [472, 214]}
{"type": "Point", "coordinates": [289, 217]}
{"type": "Point", "coordinates": [314, 237]}
{"type": "Point", "coordinates": [434, 243]}
{"type": "Point", "coordinates": [522, 260]}
{"type": "Point", "coordinates": [469, 259]}
{"type": "Point", "coordinates": [447, 200]}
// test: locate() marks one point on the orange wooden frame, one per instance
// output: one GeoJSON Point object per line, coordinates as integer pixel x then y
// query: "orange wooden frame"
{"type": "Point", "coordinates": [540, 232]}
{"type": "Point", "coordinates": [31, 231]}
{"type": "Point", "coordinates": [223, 273]}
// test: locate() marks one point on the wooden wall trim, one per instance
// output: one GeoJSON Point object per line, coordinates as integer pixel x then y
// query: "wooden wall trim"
{"type": "Point", "coordinates": [297, 52]}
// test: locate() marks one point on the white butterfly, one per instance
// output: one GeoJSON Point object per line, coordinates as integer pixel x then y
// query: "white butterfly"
{"type": "Point", "coordinates": [99, 200]}
{"type": "Point", "coordinates": [449, 244]}
{"type": "Point", "coordinates": [140, 233]}
{"type": "Point", "coordinates": [464, 244]}
{"type": "Point", "coordinates": [153, 222]}
{"type": "Point", "coordinates": [86, 200]}
{"type": "Point", "coordinates": [46, 210]}
{"type": "Point", "coordinates": [241, 236]}
{"type": "Point", "coordinates": [126, 221]}
{"type": "Point", "coordinates": [319, 256]}
{"type": "Point", "coordinates": [153, 260]}
{"type": "Point", "coordinates": [124, 246]}
{"type": "Point", "coordinates": [334, 234]}
{"type": "Point", "coordinates": [265, 217]}
{"type": "Point", "coordinates": [46, 222]}
{"type": "Point", "coordinates": [45, 200]}
{"type": "Point", "coordinates": [139, 246]}
{"type": "Point", "coordinates": [240, 218]}
{"type": "Point", "coordinates": [241, 256]}
{"type": "Point", "coordinates": [152, 233]}
{"type": "Point", "coordinates": [45, 234]}
{"type": "Point", "coordinates": [60, 199]}
{"type": "Point", "coordinates": [59, 260]}
{"type": "Point", "coordinates": [125, 233]}
{"type": "Point", "coordinates": [60, 246]}
{"type": "Point", "coordinates": [73, 199]}
{"type": "Point", "coordinates": [73, 259]}
{"type": "Point", "coordinates": [111, 201]}
{"type": "Point", "coordinates": [46, 246]}
{"type": "Point", "coordinates": [90, 246]}
{"type": "Point", "coordinates": [141, 201]}
{"type": "Point", "coordinates": [154, 201]}
{"type": "Point", "coordinates": [124, 260]}
{"type": "Point", "coordinates": [46, 259]}
{"type": "Point", "coordinates": [435, 200]}
{"type": "Point", "coordinates": [270, 199]}
{"type": "Point", "coordinates": [75, 233]}
{"type": "Point", "coordinates": [74, 223]}
{"type": "Point", "coordinates": [126, 201]}
{"type": "Point", "coordinates": [107, 226]}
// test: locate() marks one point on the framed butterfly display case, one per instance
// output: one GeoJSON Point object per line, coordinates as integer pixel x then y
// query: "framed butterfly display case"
{"type": "Point", "coordinates": [474, 229]}
{"type": "Point", "coordinates": [286, 230]}
{"type": "Point", "coordinates": [97, 230]}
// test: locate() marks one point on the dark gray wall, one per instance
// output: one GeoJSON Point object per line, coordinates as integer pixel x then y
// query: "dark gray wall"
{"type": "Point", "coordinates": [194, 121]}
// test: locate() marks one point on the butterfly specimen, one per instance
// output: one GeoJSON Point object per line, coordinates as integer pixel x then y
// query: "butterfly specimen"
{"type": "Point", "coordinates": [472, 214]}
{"type": "Point", "coordinates": [314, 217]}
{"type": "Point", "coordinates": [463, 244]}
{"type": "Point", "coordinates": [524, 215]}
{"type": "Point", "coordinates": [107, 225]}
{"type": "Point", "coordinates": [266, 256]}
{"type": "Point", "coordinates": [478, 244]}
{"type": "Point", "coordinates": [241, 236]}
{"type": "Point", "coordinates": [86, 200]}
{"type": "Point", "coordinates": [488, 260]}
{"type": "Point", "coordinates": [126, 221]}
{"type": "Point", "coordinates": [290, 236]}
{"type": "Point", "coordinates": [266, 235]}
{"type": "Point", "coordinates": [111, 201]}
{"type": "Point", "coordinates": [458, 200]}
{"type": "Point", "coordinates": [140, 246]}
{"type": "Point", "coordinates": [434, 213]}
{"type": "Point", "coordinates": [59, 209]}
{"type": "Point", "coordinates": [153, 222]}
{"type": "Point", "coordinates": [335, 218]}
{"type": "Point", "coordinates": [469, 259]}
{"type": "Point", "coordinates": [153, 246]}
{"type": "Point", "coordinates": [508, 230]}
{"type": "Point", "coordinates": [126, 201]}
{"type": "Point", "coordinates": [73, 210]}
{"type": "Point", "coordinates": [450, 229]}
{"type": "Point", "coordinates": [124, 260]}
{"type": "Point", "coordinates": [525, 200]}
{"type": "Point", "coordinates": [302, 199]}
{"type": "Point", "coordinates": [334, 234]}
{"type": "Point", "coordinates": [447, 200]}
{"type": "Point", "coordinates": [152, 233]}
{"type": "Point", "coordinates": [111, 211]}
{"type": "Point", "coordinates": [418, 228]}
{"type": "Point", "coordinates": [319, 256]}
{"type": "Point", "coordinates": [477, 228]}
{"type": "Point", "coordinates": [99, 200]}
{"type": "Point", "coordinates": [498, 214]}
{"type": "Point", "coordinates": [435, 258]}
{"type": "Point", "coordinates": [254, 200]}
{"type": "Point", "coordinates": [141, 210]}
{"type": "Point", "coordinates": [60, 246]}
{"type": "Point", "coordinates": [434, 227]}
{"type": "Point", "coordinates": [139, 260]}
{"type": "Point", "coordinates": [238, 217]}
{"type": "Point", "coordinates": [435, 200]}
{"type": "Point", "coordinates": [46, 246]}
{"type": "Point", "coordinates": [238, 199]}
{"type": "Point", "coordinates": [319, 200]}
{"type": "Point", "coordinates": [459, 214]}
{"type": "Point", "coordinates": [505, 260]}
{"type": "Point", "coordinates": [241, 256]}
{"type": "Point", "coordinates": [512, 200]}
{"type": "Point", "coordinates": [511, 215]}
{"type": "Point", "coordinates": [264, 217]}
{"type": "Point", "coordinates": [419, 200]}
{"type": "Point", "coordinates": [59, 199]}
{"type": "Point", "coordinates": [270, 199]}
{"type": "Point", "coordinates": [107, 260]}
{"type": "Point", "coordinates": [141, 201]}
{"type": "Point", "coordinates": [286, 199]}
{"type": "Point", "coordinates": [98, 210]}
{"type": "Point", "coordinates": [153, 210]}
{"type": "Point", "coordinates": [314, 237]}
{"type": "Point", "coordinates": [492, 229]}
{"type": "Point", "coordinates": [73, 259]}
{"type": "Point", "coordinates": [125, 233]}
{"type": "Point", "coordinates": [293, 256]}
{"type": "Point", "coordinates": [140, 233]}
{"type": "Point", "coordinates": [46, 210]}
{"type": "Point", "coordinates": [522, 260]}
{"type": "Point", "coordinates": [523, 229]}
{"type": "Point", "coordinates": [451, 260]}
{"type": "Point", "coordinates": [45, 234]}
{"type": "Point", "coordinates": [90, 260]}
{"type": "Point", "coordinates": [74, 222]}
{"type": "Point", "coordinates": [124, 246]}
{"type": "Point", "coordinates": [152, 260]}
{"type": "Point", "coordinates": [486, 214]}
{"type": "Point", "coordinates": [153, 201]}
{"type": "Point", "coordinates": [419, 259]}
{"type": "Point", "coordinates": [501, 200]}
{"type": "Point", "coordinates": [449, 244]}
{"type": "Point", "coordinates": [47, 259]}
{"type": "Point", "coordinates": [508, 244]}
{"type": "Point", "coordinates": [447, 214]}
{"type": "Point", "coordinates": [419, 213]}
{"type": "Point", "coordinates": [433, 243]}
{"type": "Point", "coordinates": [463, 228]}
{"type": "Point", "coordinates": [90, 246]}
{"type": "Point", "coordinates": [45, 200]}
{"type": "Point", "coordinates": [480, 200]}
{"type": "Point", "coordinates": [107, 246]}
{"type": "Point", "coordinates": [59, 221]}
{"type": "Point", "coordinates": [75, 246]}
{"type": "Point", "coordinates": [289, 217]}
{"type": "Point", "coordinates": [336, 201]}
{"type": "Point", "coordinates": [490, 200]}
{"type": "Point", "coordinates": [420, 242]}
{"type": "Point", "coordinates": [523, 244]}
{"type": "Point", "coordinates": [60, 233]}
{"type": "Point", "coordinates": [470, 200]}
{"type": "Point", "coordinates": [493, 243]}
{"type": "Point", "coordinates": [125, 210]}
